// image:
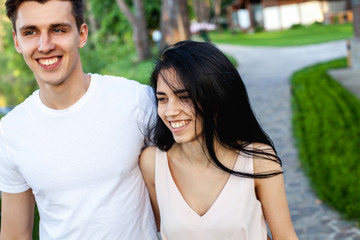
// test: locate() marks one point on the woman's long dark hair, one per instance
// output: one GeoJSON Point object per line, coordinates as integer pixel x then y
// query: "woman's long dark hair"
{"type": "Point", "coordinates": [220, 100]}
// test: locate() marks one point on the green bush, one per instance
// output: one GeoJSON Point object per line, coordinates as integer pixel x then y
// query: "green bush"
{"type": "Point", "coordinates": [116, 59]}
{"type": "Point", "coordinates": [326, 126]}
{"type": "Point", "coordinates": [258, 29]}
{"type": "Point", "coordinates": [297, 26]}
{"type": "Point", "coordinates": [17, 82]}
{"type": "Point", "coordinates": [316, 23]}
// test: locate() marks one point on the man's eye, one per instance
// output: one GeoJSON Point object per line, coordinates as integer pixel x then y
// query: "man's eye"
{"type": "Point", "coordinates": [29, 33]}
{"type": "Point", "coordinates": [58, 30]}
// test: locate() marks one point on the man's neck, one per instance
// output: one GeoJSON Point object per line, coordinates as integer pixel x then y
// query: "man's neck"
{"type": "Point", "coordinates": [66, 94]}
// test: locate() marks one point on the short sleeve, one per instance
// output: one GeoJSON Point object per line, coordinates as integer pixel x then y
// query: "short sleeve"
{"type": "Point", "coordinates": [11, 180]}
{"type": "Point", "coordinates": [147, 108]}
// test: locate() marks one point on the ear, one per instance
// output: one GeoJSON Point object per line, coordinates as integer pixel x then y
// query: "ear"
{"type": "Point", "coordinates": [16, 43]}
{"type": "Point", "coordinates": [83, 35]}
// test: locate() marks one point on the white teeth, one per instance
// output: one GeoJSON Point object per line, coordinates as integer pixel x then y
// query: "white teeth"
{"type": "Point", "coordinates": [179, 124]}
{"type": "Point", "coordinates": [48, 62]}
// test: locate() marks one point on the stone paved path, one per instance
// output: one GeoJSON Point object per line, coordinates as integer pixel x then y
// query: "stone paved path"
{"type": "Point", "coordinates": [266, 73]}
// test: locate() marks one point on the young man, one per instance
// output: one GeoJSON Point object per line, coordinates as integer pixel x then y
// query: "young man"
{"type": "Point", "coordinates": [73, 145]}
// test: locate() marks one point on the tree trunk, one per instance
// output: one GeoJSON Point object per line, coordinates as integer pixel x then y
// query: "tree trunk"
{"type": "Point", "coordinates": [355, 42]}
{"type": "Point", "coordinates": [348, 5]}
{"type": "Point", "coordinates": [139, 26]}
{"type": "Point", "coordinates": [175, 24]}
{"type": "Point", "coordinates": [356, 14]}
{"type": "Point", "coordinates": [202, 10]}
{"type": "Point", "coordinates": [217, 11]}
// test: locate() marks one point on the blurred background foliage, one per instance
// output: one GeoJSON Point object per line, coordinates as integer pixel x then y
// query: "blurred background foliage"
{"type": "Point", "coordinates": [110, 48]}
{"type": "Point", "coordinates": [16, 79]}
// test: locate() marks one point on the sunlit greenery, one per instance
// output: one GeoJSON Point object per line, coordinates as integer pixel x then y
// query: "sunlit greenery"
{"type": "Point", "coordinates": [110, 49]}
{"type": "Point", "coordinates": [326, 121]}
{"type": "Point", "coordinates": [107, 54]}
{"type": "Point", "coordinates": [116, 59]}
{"type": "Point", "coordinates": [315, 33]}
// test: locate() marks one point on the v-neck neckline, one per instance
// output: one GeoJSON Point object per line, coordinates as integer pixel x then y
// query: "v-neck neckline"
{"type": "Point", "coordinates": [218, 198]}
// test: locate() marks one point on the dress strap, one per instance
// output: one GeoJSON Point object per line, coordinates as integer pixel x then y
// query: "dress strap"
{"type": "Point", "coordinates": [244, 162]}
{"type": "Point", "coordinates": [160, 166]}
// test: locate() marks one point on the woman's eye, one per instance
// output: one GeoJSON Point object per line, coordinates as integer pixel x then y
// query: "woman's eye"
{"type": "Point", "coordinates": [184, 98]}
{"type": "Point", "coordinates": [161, 99]}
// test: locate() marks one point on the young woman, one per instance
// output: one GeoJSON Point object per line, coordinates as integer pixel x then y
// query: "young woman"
{"type": "Point", "coordinates": [213, 172]}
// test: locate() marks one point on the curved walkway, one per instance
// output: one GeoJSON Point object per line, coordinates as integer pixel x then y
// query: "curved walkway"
{"type": "Point", "coordinates": [266, 72]}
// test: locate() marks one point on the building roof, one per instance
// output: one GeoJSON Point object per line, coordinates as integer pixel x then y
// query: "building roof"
{"type": "Point", "coordinates": [242, 4]}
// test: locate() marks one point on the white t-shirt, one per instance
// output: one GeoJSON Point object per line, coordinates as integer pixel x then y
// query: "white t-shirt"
{"type": "Point", "coordinates": [82, 162]}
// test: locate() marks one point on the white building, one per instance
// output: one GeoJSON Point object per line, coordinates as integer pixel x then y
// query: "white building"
{"type": "Point", "coordinates": [282, 14]}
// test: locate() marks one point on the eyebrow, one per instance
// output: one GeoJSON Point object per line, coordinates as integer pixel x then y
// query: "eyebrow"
{"type": "Point", "coordinates": [27, 27]}
{"type": "Point", "coordinates": [181, 91]}
{"type": "Point", "coordinates": [68, 25]}
{"type": "Point", "coordinates": [176, 92]}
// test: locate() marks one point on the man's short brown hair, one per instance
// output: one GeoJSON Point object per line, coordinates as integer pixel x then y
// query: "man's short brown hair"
{"type": "Point", "coordinates": [77, 10]}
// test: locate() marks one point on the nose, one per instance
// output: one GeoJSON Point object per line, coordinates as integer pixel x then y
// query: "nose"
{"type": "Point", "coordinates": [172, 108]}
{"type": "Point", "coordinates": [45, 44]}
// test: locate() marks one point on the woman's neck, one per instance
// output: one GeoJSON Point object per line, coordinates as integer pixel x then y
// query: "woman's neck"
{"type": "Point", "coordinates": [197, 153]}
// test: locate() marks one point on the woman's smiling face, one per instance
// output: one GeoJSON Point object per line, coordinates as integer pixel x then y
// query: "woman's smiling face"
{"type": "Point", "coordinates": [176, 109]}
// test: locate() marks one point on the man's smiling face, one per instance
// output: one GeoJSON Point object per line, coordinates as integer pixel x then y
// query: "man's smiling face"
{"type": "Point", "coordinates": [47, 37]}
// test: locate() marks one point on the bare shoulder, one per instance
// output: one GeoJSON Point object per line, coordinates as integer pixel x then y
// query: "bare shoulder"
{"type": "Point", "coordinates": [147, 161]}
{"type": "Point", "coordinates": [148, 152]}
{"type": "Point", "coordinates": [265, 163]}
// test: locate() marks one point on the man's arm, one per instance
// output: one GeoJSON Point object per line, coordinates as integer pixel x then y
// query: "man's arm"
{"type": "Point", "coordinates": [17, 215]}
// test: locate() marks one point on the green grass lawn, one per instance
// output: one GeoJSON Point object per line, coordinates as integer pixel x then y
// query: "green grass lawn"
{"type": "Point", "coordinates": [316, 33]}
{"type": "Point", "coordinates": [326, 124]}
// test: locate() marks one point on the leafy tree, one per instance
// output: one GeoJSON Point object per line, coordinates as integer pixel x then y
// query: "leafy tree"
{"type": "Point", "coordinates": [137, 20]}
{"type": "Point", "coordinates": [111, 25]}
{"type": "Point", "coordinates": [115, 25]}
{"type": "Point", "coordinates": [152, 12]}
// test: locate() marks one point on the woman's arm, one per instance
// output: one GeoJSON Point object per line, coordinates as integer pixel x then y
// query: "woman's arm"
{"type": "Point", "coordinates": [271, 194]}
{"type": "Point", "coordinates": [147, 166]}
